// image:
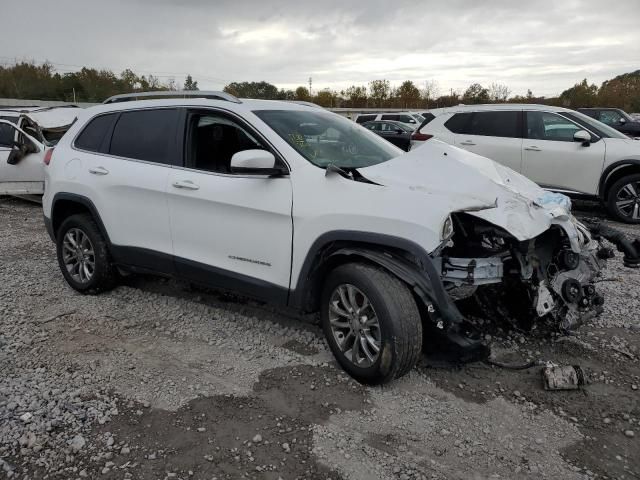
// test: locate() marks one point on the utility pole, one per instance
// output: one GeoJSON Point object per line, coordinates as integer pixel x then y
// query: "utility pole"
{"type": "Point", "coordinates": [310, 80]}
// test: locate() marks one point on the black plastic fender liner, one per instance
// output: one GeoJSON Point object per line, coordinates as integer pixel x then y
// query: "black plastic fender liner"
{"type": "Point", "coordinates": [426, 284]}
{"type": "Point", "coordinates": [630, 248]}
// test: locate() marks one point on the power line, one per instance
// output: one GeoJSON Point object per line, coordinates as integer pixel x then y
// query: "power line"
{"type": "Point", "coordinates": [159, 74]}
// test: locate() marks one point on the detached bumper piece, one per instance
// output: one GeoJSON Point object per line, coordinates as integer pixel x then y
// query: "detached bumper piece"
{"type": "Point", "coordinates": [629, 248]}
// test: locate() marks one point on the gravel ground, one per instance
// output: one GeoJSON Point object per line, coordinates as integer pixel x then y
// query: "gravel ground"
{"type": "Point", "coordinates": [157, 380]}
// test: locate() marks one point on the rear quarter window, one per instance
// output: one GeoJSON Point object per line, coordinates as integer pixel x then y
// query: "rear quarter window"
{"type": "Point", "coordinates": [459, 123]}
{"type": "Point", "coordinates": [93, 134]}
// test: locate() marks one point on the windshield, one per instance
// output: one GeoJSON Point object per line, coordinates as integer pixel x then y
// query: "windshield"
{"type": "Point", "coordinates": [325, 138]}
{"type": "Point", "coordinates": [594, 125]}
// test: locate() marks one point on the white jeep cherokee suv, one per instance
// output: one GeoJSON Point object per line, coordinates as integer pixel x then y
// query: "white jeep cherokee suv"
{"type": "Point", "coordinates": [301, 207]}
{"type": "Point", "coordinates": [559, 149]}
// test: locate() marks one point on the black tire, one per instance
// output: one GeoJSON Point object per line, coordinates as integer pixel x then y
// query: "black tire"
{"type": "Point", "coordinates": [400, 326]}
{"type": "Point", "coordinates": [105, 274]}
{"type": "Point", "coordinates": [616, 190]}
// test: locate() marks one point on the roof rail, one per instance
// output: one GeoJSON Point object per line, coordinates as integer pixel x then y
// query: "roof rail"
{"type": "Point", "coordinates": [129, 97]}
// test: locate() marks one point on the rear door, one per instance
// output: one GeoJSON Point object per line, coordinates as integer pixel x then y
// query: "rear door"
{"type": "Point", "coordinates": [124, 160]}
{"type": "Point", "coordinates": [551, 157]}
{"type": "Point", "coordinates": [231, 231]}
{"type": "Point", "coordinates": [494, 134]}
{"type": "Point", "coordinates": [26, 175]}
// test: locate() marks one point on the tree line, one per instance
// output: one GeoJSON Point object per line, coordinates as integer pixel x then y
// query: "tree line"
{"type": "Point", "coordinates": [33, 81]}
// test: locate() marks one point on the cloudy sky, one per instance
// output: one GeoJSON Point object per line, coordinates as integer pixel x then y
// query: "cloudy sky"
{"type": "Point", "coordinates": [546, 46]}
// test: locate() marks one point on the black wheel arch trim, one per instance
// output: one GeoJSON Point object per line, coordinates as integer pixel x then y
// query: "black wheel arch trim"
{"type": "Point", "coordinates": [609, 170]}
{"type": "Point", "coordinates": [384, 250]}
{"type": "Point", "coordinates": [81, 200]}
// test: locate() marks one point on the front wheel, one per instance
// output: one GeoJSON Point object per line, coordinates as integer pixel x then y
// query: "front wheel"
{"type": "Point", "coordinates": [371, 322]}
{"type": "Point", "coordinates": [623, 200]}
{"type": "Point", "coordinates": [83, 255]}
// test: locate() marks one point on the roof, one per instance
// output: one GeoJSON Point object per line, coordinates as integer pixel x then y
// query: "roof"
{"type": "Point", "coordinates": [245, 105]}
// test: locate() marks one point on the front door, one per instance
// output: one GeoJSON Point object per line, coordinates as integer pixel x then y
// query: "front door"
{"type": "Point", "coordinates": [20, 173]}
{"type": "Point", "coordinates": [551, 157]}
{"type": "Point", "coordinates": [229, 231]}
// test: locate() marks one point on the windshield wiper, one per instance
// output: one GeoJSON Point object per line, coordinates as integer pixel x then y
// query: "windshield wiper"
{"type": "Point", "coordinates": [331, 168]}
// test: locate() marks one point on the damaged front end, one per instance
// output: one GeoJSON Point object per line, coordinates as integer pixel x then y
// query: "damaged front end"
{"type": "Point", "coordinates": [551, 276]}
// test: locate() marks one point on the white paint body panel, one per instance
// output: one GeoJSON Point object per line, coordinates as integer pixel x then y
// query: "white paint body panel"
{"type": "Point", "coordinates": [27, 176]}
{"type": "Point", "coordinates": [276, 220]}
{"type": "Point", "coordinates": [236, 223]}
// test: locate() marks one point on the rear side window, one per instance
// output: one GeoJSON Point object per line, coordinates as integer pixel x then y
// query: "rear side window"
{"type": "Point", "coordinates": [365, 118]}
{"type": "Point", "coordinates": [93, 134]}
{"type": "Point", "coordinates": [146, 135]}
{"type": "Point", "coordinates": [459, 123]}
{"type": "Point", "coordinates": [495, 124]}
{"type": "Point", "coordinates": [407, 119]}
{"type": "Point", "coordinates": [390, 117]}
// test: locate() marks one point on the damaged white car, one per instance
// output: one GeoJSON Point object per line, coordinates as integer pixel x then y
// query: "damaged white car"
{"type": "Point", "coordinates": [300, 207]}
{"type": "Point", "coordinates": [25, 135]}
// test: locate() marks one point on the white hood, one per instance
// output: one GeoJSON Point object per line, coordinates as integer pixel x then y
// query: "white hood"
{"type": "Point", "coordinates": [54, 118]}
{"type": "Point", "coordinates": [477, 185]}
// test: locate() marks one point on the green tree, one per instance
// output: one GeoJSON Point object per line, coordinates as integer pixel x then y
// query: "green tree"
{"type": "Point", "coordinates": [408, 94]}
{"type": "Point", "coordinates": [475, 94]}
{"type": "Point", "coordinates": [379, 91]}
{"type": "Point", "coordinates": [622, 91]}
{"type": "Point", "coordinates": [356, 96]}
{"type": "Point", "coordinates": [302, 93]}
{"type": "Point", "coordinates": [262, 90]}
{"type": "Point", "coordinates": [580, 95]}
{"type": "Point", "coordinates": [326, 98]}
{"type": "Point", "coordinates": [190, 84]}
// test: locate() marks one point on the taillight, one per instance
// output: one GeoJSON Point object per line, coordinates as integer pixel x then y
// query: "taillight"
{"type": "Point", "coordinates": [47, 156]}
{"type": "Point", "coordinates": [421, 137]}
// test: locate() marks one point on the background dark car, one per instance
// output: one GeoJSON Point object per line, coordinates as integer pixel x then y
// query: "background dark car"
{"type": "Point", "coordinates": [615, 118]}
{"type": "Point", "coordinates": [394, 132]}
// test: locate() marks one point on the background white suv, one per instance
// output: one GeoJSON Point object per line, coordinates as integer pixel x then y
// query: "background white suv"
{"type": "Point", "coordinates": [559, 149]}
{"type": "Point", "coordinates": [301, 207]}
{"type": "Point", "coordinates": [409, 119]}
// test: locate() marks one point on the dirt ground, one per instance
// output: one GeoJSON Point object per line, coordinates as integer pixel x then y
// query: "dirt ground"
{"type": "Point", "coordinates": [159, 380]}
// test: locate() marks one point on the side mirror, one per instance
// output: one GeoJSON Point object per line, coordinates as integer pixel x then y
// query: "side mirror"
{"type": "Point", "coordinates": [255, 162]}
{"type": "Point", "coordinates": [582, 136]}
{"type": "Point", "coordinates": [20, 150]}
{"type": "Point", "coordinates": [622, 121]}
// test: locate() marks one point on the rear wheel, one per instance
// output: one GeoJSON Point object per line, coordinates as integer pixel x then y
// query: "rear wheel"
{"type": "Point", "coordinates": [623, 200]}
{"type": "Point", "coordinates": [83, 255]}
{"type": "Point", "coordinates": [371, 322]}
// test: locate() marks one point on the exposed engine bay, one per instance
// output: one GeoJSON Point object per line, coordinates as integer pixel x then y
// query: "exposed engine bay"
{"type": "Point", "coordinates": [521, 282]}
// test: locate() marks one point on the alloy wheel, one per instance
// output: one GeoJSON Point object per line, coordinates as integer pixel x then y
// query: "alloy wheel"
{"type": "Point", "coordinates": [355, 325]}
{"type": "Point", "coordinates": [628, 200]}
{"type": "Point", "coordinates": [78, 255]}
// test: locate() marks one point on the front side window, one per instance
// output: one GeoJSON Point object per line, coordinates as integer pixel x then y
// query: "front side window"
{"type": "Point", "coordinates": [495, 124]}
{"type": "Point", "coordinates": [549, 126]}
{"type": "Point", "coordinates": [7, 132]}
{"type": "Point", "coordinates": [375, 126]}
{"type": "Point", "coordinates": [146, 135]}
{"type": "Point", "coordinates": [214, 138]}
{"type": "Point", "coordinates": [610, 117]}
{"type": "Point", "coordinates": [594, 126]}
{"type": "Point", "coordinates": [325, 138]}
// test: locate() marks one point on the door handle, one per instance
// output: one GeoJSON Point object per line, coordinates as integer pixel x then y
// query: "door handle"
{"type": "Point", "coordinates": [533, 148]}
{"type": "Point", "coordinates": [98, 171]}
{"type": "Point", "coordinates": [186, 185]}
{"type": "Point", "coordinates": [468, 142]}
